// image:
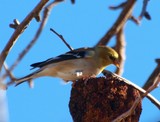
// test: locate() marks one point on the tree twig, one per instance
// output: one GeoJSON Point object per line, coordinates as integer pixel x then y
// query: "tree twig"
{"type": "Point", "coordinates": [123, 17]}
{"type": "Point", "coordinates": [132, 109]}
{"type": "Point", "coordinates": [152, 79]}
{"type": "Point", "coordinates": [19, 30]}
{"type": "Point", "coordinates": [120, 48]}
{"type": "Point", "coordinates": [29, 46]}
{"type": "Point", "coordinates": [73, 1]}
{"type": "Point", "coordinates": [118, 6]}
{"type": "Point", "coordinates": [61, 37]}
{"type": "Point", "coordinates": [135, 20]}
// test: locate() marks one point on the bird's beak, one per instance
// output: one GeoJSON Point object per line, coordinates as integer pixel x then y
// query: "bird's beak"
{"type": "Point", "coordinates": [116, 63]}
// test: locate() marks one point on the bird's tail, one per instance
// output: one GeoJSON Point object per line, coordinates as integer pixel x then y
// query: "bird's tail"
{"type": "Point", "coordinates": [27, 78]}
{"type": "Point", "coordinates": [24, 79]}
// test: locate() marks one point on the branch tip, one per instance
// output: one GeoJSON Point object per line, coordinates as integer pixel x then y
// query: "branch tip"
{"type": "Point", "coordinates": [61, 37]}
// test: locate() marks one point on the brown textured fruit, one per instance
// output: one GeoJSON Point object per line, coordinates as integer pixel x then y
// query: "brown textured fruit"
{"type": "Point", "coordinates": [102, 100]}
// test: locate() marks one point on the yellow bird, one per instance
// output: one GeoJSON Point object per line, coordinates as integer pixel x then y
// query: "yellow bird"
{"type": "Point", "coordinates": [75, 64]}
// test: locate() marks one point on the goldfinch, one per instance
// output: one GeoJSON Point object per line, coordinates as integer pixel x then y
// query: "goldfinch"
{"type": "Point", "coordinates": [75, 64]}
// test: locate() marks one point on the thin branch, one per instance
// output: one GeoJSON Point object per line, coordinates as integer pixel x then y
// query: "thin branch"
{"type": "Point", "coordinates": [129, 112]}
{"type": "Point", "coordinates": [144, 8]}
{"type": "Point", "coordinates": [8, 72]}
{"type": "Point", "coordinates": [132, 109]}
{"type": "Point", "coordinates": [153, 86]}
{"type": "Point", "coordinates": [44, 20]}
{"type": "Point", "coordinates": [152, 79]}
{"type": "Point", "coordinates": [149, 96]}
{"type": "Point", "coordinates": [123, 17]}
{"type": "Point", "coordinates": [19, 30]}
{"type": "Point", "coordinates": [122, 5]}
{"type": "Point", "coordinates": [135, 20]}
{"type": "Point", "coordinates": [120, 48]}
{"type": "Point", "coordinates": [61, 37]}
{"type": "Point", "coordinates": [29, 46]}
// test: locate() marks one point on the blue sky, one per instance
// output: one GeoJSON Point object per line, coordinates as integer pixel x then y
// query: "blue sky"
{"type": "Point", "coordinates": [82, 25]}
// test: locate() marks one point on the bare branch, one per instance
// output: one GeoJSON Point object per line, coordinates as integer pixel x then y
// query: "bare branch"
{"type": "Point", "coordinates": [118, 6]}
{"type": "Point", "coordinates": [153, 86]}
{"type": "Point", "coordinates": [149, 96]}
{"type": "Point", "coordinates": [19, 30]}
{"type": "Point", "coordinates": [44, 20]}
{"type": "Point", "coordinates": [29, 46]}
{"type": "Point", "coordinates": [152, 79]}
{"type": "Point", "coordinates": [120, 48]}
{"type": "Point", "coordinates": [61, 37]}
{"type": "Point", "coordinates": [124, 16]}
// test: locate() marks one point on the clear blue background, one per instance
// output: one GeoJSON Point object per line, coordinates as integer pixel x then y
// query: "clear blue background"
{"type": "Point", "coordinates": [82, 24]}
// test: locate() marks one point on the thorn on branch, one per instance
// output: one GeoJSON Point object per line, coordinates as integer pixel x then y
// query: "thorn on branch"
{"type": "Point", "coordinates": [15, 24]}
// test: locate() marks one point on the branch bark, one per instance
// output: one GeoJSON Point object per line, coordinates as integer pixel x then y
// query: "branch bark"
{"type": "Point", "coordinates": [120, 48]}
{"type": "Point", "coordinates": [47, 10]}
{"type": "Point", "coordinates": [19, 30]}
{"type": "Point", "coordinates": [123, 17]}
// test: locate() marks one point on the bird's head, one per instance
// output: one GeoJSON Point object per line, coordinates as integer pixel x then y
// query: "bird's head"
{"type": "Point", "coordinates": [108, 55]}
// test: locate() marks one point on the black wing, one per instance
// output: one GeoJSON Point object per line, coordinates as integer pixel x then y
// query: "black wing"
{"type": "Point", "coordinates": [75, 54]}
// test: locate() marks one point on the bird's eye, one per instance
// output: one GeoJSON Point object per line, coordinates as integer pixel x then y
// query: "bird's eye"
{"type": "Point", "coordinates": [112, 57]}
